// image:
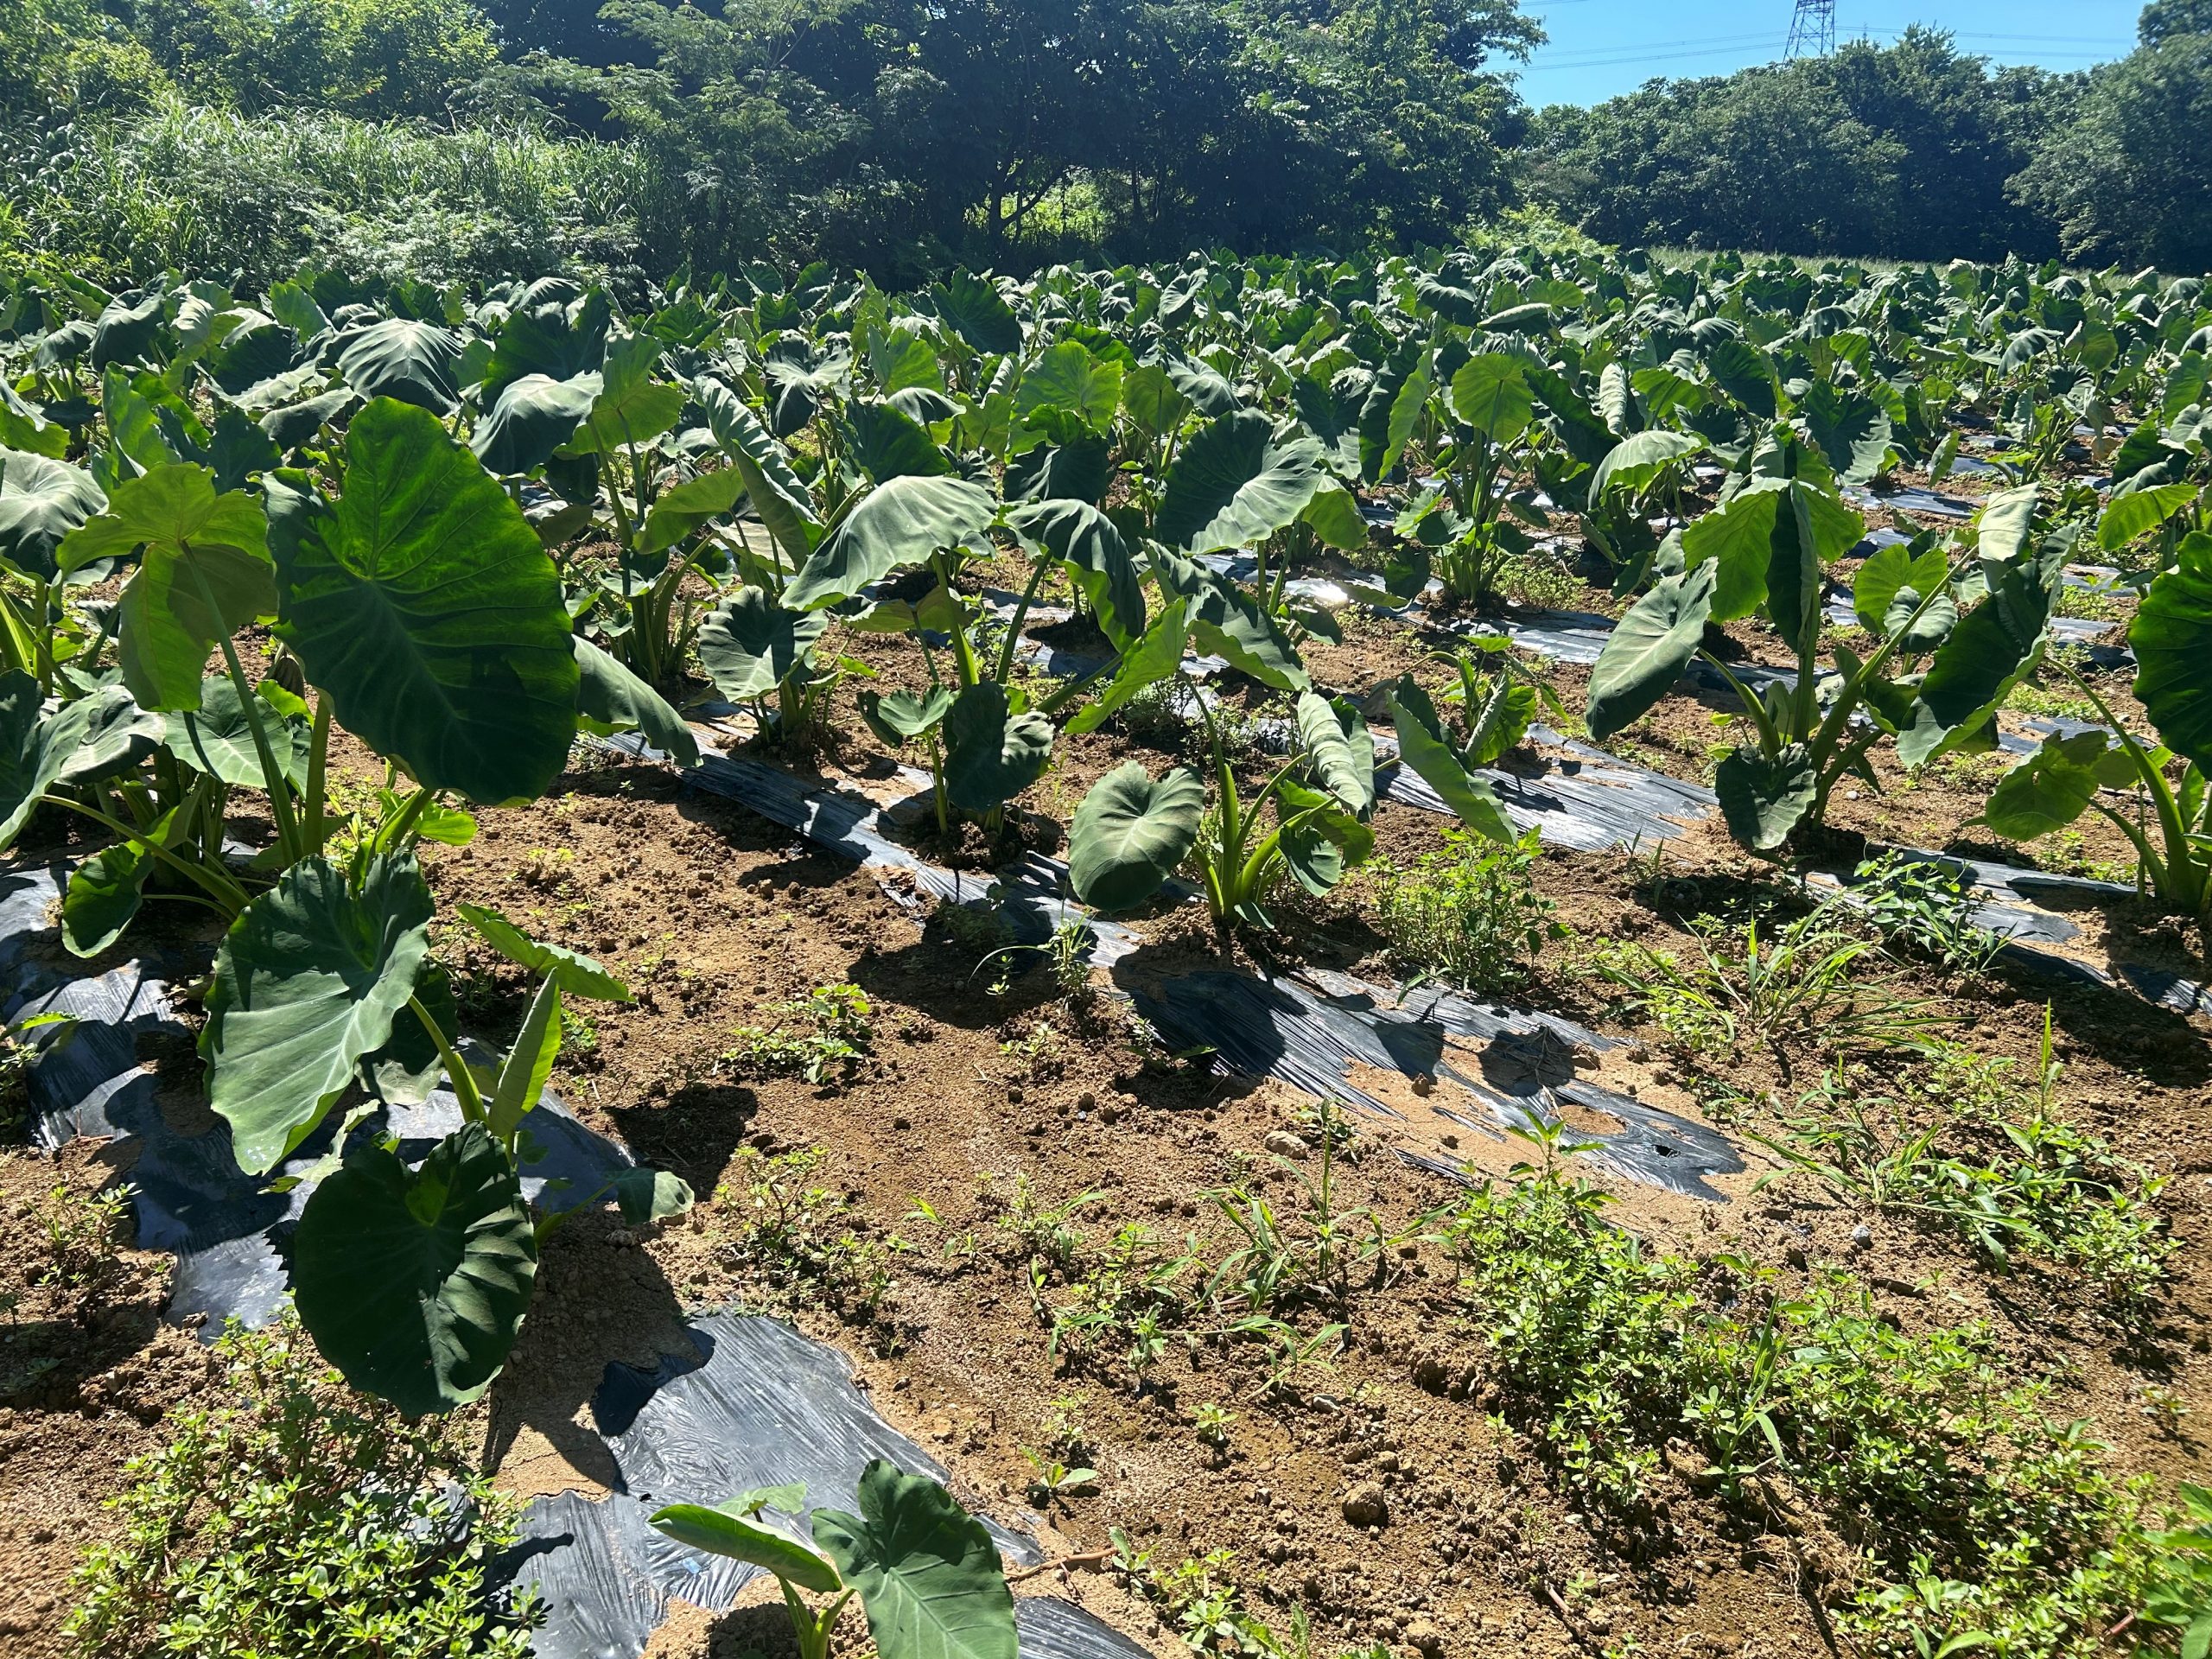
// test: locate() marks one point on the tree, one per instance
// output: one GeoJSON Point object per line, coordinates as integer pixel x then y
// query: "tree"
{"type": "Point", "coordinates": [2127, 179]}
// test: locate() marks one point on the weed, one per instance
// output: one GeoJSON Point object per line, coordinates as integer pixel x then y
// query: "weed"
{"type": "Point", "coordinates": [1055, 1481]}
{"type": "Point", "coordinates": [1041, 1052]}
{"type": "Point", "coordinates": [792, 1237]}
{"type": "Point", "coordinates": [1970, 1151]}
{"type": "Point", "coordinates": [298, 1517]}
{"type": "Point", "coordinates": [84, 1233]}
{"type": "Point", "coordinates": [1208, 1607]}
{"type": "Point", "coordinates": [822, 1036]}
{"type": "Point", "coordinates": [1213, 1422]}
{"type": "Point", "coordinates": [1470, 915]}
{"type": "Point", "coordinates": [1128, 1297]}
{"type": "Point", "coordinates": [1939, 1469]}
{"type": "Point", "coordinates": [1924, 908]}
{"type": "Point", "coordinates": [1807, 982]}
{"type": "Point", "coordinates": [1066, 954]}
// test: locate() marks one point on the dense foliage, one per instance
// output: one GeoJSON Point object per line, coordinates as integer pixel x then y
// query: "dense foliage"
{"type": "Point", "coordinates": [633, 139]}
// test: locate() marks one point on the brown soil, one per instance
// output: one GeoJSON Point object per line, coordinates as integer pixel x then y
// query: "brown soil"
{"type": "Point", "coordinates": [974, 1109]}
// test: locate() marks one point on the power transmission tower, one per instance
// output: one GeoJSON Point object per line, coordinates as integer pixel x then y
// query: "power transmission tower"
{"type": "Point", "coordinates": [1812, 29]}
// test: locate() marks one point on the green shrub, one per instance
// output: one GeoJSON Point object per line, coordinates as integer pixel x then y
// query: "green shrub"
{"type": "Point", "coordinates": [300, 1519]}
{"type": "Point", "coordinates": [1470, 915]}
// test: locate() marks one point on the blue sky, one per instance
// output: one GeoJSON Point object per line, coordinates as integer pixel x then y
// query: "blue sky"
{"type": "Point", "coordinates": [1602, 47]}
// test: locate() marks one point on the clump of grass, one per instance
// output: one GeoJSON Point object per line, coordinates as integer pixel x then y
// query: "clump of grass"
{"type": "Point", "coordinates": [1973, 1149]}
{"type": "Point", "coordinates": [298, 1517]}
{"type": "Point", "coordinates": [792, 1238]}
{"type": "Point", "coordinates": [1814, 981]}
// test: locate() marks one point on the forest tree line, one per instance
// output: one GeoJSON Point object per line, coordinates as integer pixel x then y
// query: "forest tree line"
{"type": "Point", "coordinates": [459, 139]}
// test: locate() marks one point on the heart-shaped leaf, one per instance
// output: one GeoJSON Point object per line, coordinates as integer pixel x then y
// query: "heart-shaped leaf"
{"type": "Point", "coordinates": [532, 416]}
{"type": "Point", "coordinates": [413, 1283]}
{"type": "Point", "coordinates": [105, 891]}
{"type": "Point", "coordinates": [2048, 790]}
{"type": "Point", "coordinates": [611, 699]}
{"type": "Point", "coordinates": [1236, 483]}
{"type": "Point", "coordinates": [1130, 832]}
{"type": "Point", "coordinates": [413, 362]}
{"type": "Point", "coordinates": [898, 525]}
{"type": "Point", "coordinates": [992, 752]}
{"type": "Point", "coordinates": [898, 718]}
{"type": "Point", "coordinates": [36, 748]}
{"type": "Point", "coordinates": [308, 981]}
{"type": "Point", "coordinates": [203, 573]}
{"type": "Point", "coordinates": [42, 501]}
{"type": "Point", "coordinates": [422, 604]}
{"type": "Point", "coordinates": [216, 739]}
{"type": "Point", "coordinates": [749, 644]}
{"type": "Point", "coordinates": [2172, 639]}
{"type": "Point", "coordinates": [927, 1571]}
{"type": "Point", "coordinates": [1648, 649]}
{"type": "Point", "coordinates": [1764, 799]}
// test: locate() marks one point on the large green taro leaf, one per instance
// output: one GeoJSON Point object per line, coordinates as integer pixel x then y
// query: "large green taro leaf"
{"type": "Point", "coordinates": [216, 737]}
{"type": "Point", "coordinates": [1648, 649]}
{"type": "Point", "coordinates": [2048, 790]}
{"type": "Point", "coordinates": [1424, 746]}
{"type": "Point", "coordinates": [2172, 638]}
{"type": "Point", "coordinates": [414, 1282]}
{"type": "Point", "coordinates": [927, 1572]}
{"type": "Point", "coordinates": [42, 501]}
{"type": "Point", "coordinates": [991, 752]}
{"type": "Point", "coordinates": [777, 494]}
{"type": "Point", "coordinates": [611, 699]}
{"type": "Point", "coordinates": [1763, 798]}
{"type": "Point", "coordinates": [900, 523]}
{"type": "Point", "coordinates": [414, 362]}
{"type": "Point", "coordinates": [978, 313]}
{"type": "Point", "coordinates": [203, 573]}
{"type": "Point", "coordinates": [1130, 832]}
{"type": "Point", "coordinates": [1236, 483]}
{"type": "Point", "coordinates": [749, 644]}
{"type": "Point", "coordinates": [36, 748]}
{"type": "Point", "coordinates": [1086, 542]}
{"type": "Point", "coordinates": [532, 416]}
{"type": "Point", "coordinates": [422, 604]}
{"type": "Point", "coordinates": [307, 982]}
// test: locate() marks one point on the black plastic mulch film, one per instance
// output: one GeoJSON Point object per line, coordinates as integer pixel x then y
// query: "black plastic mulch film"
{"type": "Point", "coordinates": [758, 1405]}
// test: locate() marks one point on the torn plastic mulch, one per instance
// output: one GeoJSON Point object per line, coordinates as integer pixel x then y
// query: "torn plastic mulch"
{"type": "Point", "coordinates": [757, 1405]}
{"type": "Point", "coordinates": [759, 1395]}
{"type": "Point", "coordinates": [1270, 1028]}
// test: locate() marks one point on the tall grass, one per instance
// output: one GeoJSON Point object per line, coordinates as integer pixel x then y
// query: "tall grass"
{"type": "Point", "coordinates": [188, 189]}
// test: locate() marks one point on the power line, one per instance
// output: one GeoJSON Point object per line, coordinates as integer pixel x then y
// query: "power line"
{"type": "Point", "coordinates": [1812, 29]}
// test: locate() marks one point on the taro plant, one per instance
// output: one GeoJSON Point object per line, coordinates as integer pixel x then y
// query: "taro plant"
{"type": "Point", "coordinates": [925, 1570]}
{"type": "Point", "coordinates": [986, 741]}
{"type": "Point", "coordinates": [410, 602]}
{"type": "Point", "coordinates": [1766, 552]}
{"type": "Point", "coordinates": [413, 1282]}
{"type": "Point", "coordinates": [2067, 775]}
{"type": "Point", "coordinates": [1497, 703]}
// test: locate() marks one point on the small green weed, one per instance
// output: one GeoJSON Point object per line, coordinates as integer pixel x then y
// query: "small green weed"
{"type": "Point", "coordinates": [1971, 1150]}
{"type": "Point", "coordinates": [1972, 1510]}
{"type": "Point", "coordinates": [298, 1517]}
{"type": "Point", "coordinates": [1809, 982]}
{"type": "Point", "coordinates": [793, 1237]}
{"type": "Point", "coordinates": [1470, 915]}
{"type": "Point", "coordinates": [822, 1036]}
{"type": "Point", "coordinates": [1925, 909]}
